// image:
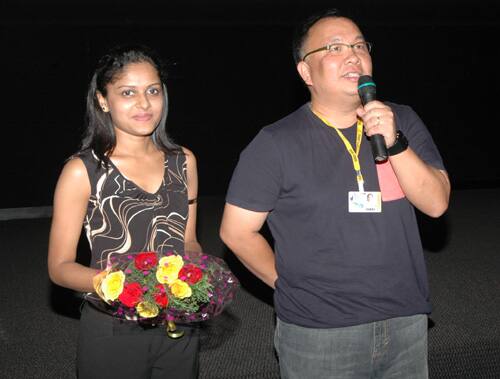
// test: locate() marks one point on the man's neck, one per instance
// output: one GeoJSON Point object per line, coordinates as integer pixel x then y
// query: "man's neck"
{"type": "Point", "coordinates": [340, 115]}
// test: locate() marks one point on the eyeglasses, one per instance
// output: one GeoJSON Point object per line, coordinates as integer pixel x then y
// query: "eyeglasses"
{"type": "Point", "coordinates": [341, 48]}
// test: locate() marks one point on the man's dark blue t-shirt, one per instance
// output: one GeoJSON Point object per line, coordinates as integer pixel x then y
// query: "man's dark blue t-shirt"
{"type": "Point", "coordinates": [335, 268]}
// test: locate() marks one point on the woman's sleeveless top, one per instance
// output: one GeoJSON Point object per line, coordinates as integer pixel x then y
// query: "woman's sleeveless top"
{"type": "Point", "coordinates": [123, 218]}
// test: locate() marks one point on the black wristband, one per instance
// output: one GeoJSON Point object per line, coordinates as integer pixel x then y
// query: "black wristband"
{"type": "Point", "coordinates": [399, 146]}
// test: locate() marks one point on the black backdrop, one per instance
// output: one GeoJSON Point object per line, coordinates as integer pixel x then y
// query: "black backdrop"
{"type": "Point", "coordinates": [231, 73]}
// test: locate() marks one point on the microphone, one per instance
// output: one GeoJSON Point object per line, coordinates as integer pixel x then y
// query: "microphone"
{"type": "Point", "coordinates": [368, 92]}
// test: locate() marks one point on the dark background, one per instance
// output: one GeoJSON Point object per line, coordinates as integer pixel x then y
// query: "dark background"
{"type": "Point", "coordinates": [231, 73]}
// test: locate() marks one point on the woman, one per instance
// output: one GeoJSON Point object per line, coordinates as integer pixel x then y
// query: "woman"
{"type": "Point", "coordinates": [133, 190]}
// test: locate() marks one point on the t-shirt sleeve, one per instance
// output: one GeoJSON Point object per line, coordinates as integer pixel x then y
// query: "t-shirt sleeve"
{"type": "Point", "coordinates": [419, 138]}
{"type": "Point", "coordinates": [256, 181]}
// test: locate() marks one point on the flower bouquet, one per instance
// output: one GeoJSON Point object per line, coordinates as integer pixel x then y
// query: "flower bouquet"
{"type": "Point", "coordinates": [163, 289]}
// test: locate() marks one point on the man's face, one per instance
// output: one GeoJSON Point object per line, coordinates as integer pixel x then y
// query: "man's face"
{"type": "Point", "coordinates": [332, 74]}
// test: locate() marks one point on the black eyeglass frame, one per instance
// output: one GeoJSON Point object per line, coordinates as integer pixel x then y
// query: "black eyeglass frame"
{"type": "Point", "coordinates": [330, 45]}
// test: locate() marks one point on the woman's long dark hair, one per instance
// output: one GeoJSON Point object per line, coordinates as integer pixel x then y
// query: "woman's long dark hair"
{"type": "Point", "coordinates": [100, 133]}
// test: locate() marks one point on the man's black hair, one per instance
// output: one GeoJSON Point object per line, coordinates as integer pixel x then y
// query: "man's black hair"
{"type": "Point", "coordinates": [302, 29]}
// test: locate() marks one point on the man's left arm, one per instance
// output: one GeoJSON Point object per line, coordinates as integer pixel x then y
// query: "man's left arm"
{"type": "Point", "coordinates": [425, 186]}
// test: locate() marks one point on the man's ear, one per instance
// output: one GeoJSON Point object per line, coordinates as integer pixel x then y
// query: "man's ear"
{"type": "Point", "coordinates": [304, 72]}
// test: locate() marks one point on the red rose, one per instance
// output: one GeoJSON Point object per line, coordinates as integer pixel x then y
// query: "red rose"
{"type": "Point", "coordinates": [131, 294]}
{"type": "Point", "coordinates": [191, 274]}
{"type": "Point", "coordinates": [145, 261]}
{"type": "Point", "coordinates": [161, 296]}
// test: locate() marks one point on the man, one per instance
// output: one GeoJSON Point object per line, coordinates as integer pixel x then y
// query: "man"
{"type": "Point", "coordinates": [351, 292]}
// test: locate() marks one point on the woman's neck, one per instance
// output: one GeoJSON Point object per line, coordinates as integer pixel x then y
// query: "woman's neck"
{"type": "Point", "coordinates": [133, 146]}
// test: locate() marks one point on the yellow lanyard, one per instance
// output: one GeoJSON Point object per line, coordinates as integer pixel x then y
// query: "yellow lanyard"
{"type": "Point", "coordinates": [350, 150]}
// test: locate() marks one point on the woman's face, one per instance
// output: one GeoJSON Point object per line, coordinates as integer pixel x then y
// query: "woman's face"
{"type": "Point", "coordinates": [134, 100]}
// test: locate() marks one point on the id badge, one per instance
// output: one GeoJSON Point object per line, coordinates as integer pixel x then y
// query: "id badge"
{"type": "Point", "coordinates": [365, 202]}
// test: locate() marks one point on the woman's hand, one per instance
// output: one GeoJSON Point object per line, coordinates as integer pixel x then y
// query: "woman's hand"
{"type": "Point", "coordinates": [96, 282]}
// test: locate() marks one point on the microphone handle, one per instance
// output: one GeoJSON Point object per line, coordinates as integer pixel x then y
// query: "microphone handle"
{"type": "Point", "coordinates": [379, 150]}
{"type": "Point", "coordinates": [377, 142]}
{"type": "Point", "coordinates": [367, 92]}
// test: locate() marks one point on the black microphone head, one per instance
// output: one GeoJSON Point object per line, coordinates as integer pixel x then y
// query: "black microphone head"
{"type": "Point", "coordinates": [367, 89]}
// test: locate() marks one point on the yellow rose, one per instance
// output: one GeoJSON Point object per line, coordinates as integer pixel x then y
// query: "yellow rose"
{"type": "Point", "coordinates": [180, 289]}
{"type": "Point", "coordinates": [168, 269]}
{"type": "Point", "coordinates": [147, 309]}
{"type": "Point", "coordinates": [112, 285]}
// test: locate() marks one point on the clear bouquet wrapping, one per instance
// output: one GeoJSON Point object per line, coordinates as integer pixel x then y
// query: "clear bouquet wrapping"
{"type": "Point", "coordinates": [153, 288]}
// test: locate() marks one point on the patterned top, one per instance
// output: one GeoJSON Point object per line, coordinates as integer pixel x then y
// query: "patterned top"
{"type": "Point", "coordinates": [123, 218]}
